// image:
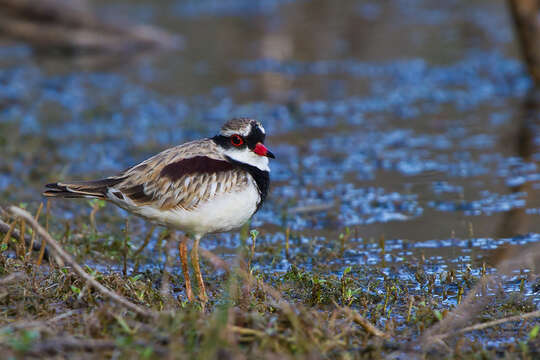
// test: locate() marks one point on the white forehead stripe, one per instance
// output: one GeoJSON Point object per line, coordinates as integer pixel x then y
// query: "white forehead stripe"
{"type": "Point", "coordinates": [244, 131]}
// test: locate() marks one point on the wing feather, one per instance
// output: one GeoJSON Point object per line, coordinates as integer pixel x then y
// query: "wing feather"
{"type": "Point", "coordinates": [182, 177]}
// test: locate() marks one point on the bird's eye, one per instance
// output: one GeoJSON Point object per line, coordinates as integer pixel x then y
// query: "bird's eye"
{"type": "Point", "coordinates": [237, 140]}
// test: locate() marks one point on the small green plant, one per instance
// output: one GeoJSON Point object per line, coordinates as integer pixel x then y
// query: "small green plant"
{"type": "Point", "coordinates": [24, 340]}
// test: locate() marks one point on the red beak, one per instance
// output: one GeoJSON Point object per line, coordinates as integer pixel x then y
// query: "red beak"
{"type": "Point", "coordinates": [261, 150]}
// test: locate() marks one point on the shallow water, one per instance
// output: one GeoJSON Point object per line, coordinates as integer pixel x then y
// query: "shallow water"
{"type": "Point", "coordinates": [403, 124]}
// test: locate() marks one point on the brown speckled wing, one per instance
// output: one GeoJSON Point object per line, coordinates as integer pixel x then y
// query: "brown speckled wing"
{"type": "Point", "coordinates": [181, 177]}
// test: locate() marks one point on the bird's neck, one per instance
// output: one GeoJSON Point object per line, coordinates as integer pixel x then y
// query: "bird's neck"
{"type": "Point", "coordinates": [261, 177]}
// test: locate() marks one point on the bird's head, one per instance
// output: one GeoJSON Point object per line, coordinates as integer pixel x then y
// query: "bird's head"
{"type": "Point", "coordinates": [242, 139]}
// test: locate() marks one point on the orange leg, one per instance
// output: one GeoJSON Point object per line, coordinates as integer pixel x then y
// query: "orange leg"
{"type": "Point", "coordinates": [182, 247]}
{"type": "Point", "coordinates": [197, 269]}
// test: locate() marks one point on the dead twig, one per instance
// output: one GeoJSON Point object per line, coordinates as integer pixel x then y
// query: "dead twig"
{"type": "Point", "coordinates": [63, 344]}
{"type": "Point", "coordinates": [22, 239]}
{"type": "Point", "coordinates": [33, 239]}
{"type": "Point", "coordinates": [12, 278]}
{"type": "Point", "coordinates": [73, 26]}
{"type": "Point", "coordinates": [76, 267]}
{"type": "Point", "coordinates": [39, 323]}
{"type": "Point", "coordinates": [365, 324]}
{"type": "Point", "coordinates": [42, 247]}
{"type": "Point", "coordinates": [481, 326]}
{"type": "Point", "coordinates": [246, 331]}
{"type": "Point", "coordinates": [8, 230]}
{"type": "Point", "coordinates": [57, 345]}
{"type": "Point", "coordinates": [145, 242]}
{"type": "Point", "coordinates": [473, 303]}
{"type": "Point", "coordinates": [95, 208]}
{"type": "Point", "coordinates": [312, 208]}
{"type": "Point", "coordinates": [216, 261]}
{"type": "Point", "coordinates": [287, 308]}
{"type": "Point", "coordinates": [165, 279]}
{"type": "Point", "coordinates": [14, 233]}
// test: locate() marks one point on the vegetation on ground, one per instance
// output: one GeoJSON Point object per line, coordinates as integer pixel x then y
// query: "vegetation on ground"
{"type": "Point", "coordinates": [365, 312]}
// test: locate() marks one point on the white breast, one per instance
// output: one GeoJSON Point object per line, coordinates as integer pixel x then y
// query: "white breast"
{"type": "Point", "coordinates": [222, 213]}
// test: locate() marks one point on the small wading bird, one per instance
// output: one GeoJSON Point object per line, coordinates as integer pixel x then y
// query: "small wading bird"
{"type": "Point", "coordinates": [200, 187]}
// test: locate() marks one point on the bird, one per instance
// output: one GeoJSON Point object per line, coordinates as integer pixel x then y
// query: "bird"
{"type": "Point", "coordinates": [205, 186]}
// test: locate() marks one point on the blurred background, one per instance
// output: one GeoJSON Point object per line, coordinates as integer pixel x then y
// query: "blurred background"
{"type": "Point", "coordinates": [408, 122]}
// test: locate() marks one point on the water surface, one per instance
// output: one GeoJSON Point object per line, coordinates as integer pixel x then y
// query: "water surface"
{"type": "Point", "coordinates": [402, 124]}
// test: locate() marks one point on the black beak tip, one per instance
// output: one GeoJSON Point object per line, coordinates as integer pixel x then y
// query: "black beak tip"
{"type": "Point", "coordinates": [270, 155]}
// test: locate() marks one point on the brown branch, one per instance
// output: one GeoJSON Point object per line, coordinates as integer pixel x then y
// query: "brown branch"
{"type": "Point", "coordinates": [68, 259]}
{"type": "Point", "coordinates": [60, 11]}
{"type": "Point", "coordinates": [525, 14]}
{"type": "Point", "coordinates": [72, 25]}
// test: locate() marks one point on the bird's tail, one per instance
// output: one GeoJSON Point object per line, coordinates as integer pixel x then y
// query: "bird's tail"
{"type": "Point", "coordinates": [81, 189]}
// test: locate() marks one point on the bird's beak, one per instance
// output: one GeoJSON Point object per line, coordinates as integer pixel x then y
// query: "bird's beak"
{"type": "Point", "coordinates": [261, 150]}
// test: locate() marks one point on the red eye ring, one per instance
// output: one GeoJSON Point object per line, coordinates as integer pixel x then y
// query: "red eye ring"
{"type": "Point", "coordinates": [237, 140]}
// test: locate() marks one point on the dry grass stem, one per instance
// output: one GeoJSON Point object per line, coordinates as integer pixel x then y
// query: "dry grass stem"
{"type": "Point", "coordinates": [165, 279]}
{"type": "Point", "coordinates": [246, 331]}
{"type": "Point", "coordinates": [39, 324]}
{"type": "Point", "coordinates": [18, 276]}
{"type": "Point", "coordinates": [365, 324]}
{"type": "Point", "coordinates": [475, 300]}
{"type": "Point", "coordinates": [145, 242]}
{"type": "Point", "coordinates": [120, 300]}
{"type": "Point", "coordinates": [8, 230]}
{"type": "Point", "coordinates": [22, 239]}
{"type": "Point", "coordinates": [481, 326]}
{"type": "Point", "coordinates": [43, 245]}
